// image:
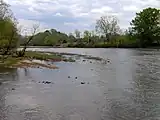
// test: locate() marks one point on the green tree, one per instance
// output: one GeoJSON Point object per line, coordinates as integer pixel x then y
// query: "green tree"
{"type": "Point", "coordinates": [8, 29]}
{"type": "Point", "coordinates": [71, 38]}
{"type": "Point", "coordinates": [146, 27]}
{"type": "Point", "coordinates": [8, 32]}
{"type": "Point", "coordinates": [50, 38]}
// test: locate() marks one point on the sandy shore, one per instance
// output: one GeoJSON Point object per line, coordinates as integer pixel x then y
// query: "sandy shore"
{"type": "Point", "coordinates": [34, 64]}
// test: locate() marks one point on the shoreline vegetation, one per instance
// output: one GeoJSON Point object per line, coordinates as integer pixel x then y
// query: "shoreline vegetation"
{"type": "Point", "coordinates": [152, 47]}
{"type": "Point", "coordinates": [34, 60]}
{"type": "Point", "coordinates": [144, 32]}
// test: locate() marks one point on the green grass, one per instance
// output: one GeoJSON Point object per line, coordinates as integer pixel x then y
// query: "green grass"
{"type": "Point", "coordinates": [43, 56]}
{"type": "Point", "coordinates": [68, 60]}
{"type": "Point", "coordinates": [12, 60]}
{"type": "Point", "coordinates": [9, 61]}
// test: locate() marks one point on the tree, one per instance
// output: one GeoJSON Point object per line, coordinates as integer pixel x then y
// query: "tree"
{"type": "Point", "coordinates": [146, 27]}
{"type": "Point", "coordinates": [8, 29]}
{"type": "Point", "coordinates": [108, 26]}
{"type": "Point", "coordinates": [9, 34]}
{"type": "Point", "coordinates": [77, 34]}
{"type": "Point", "coordinates": [71, 37]}
{"type": "Point", "coordinates": [87, 35]}
{"type": "Point", "coordinates": [21, 53]}
{"type": "Point", "coordinates": [4, 10]}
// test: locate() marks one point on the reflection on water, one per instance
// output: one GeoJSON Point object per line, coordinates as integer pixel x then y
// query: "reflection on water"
{"type": "Point", "coordinates": [127, 88]}
{"type": "Point", "coordinates": [141, 100]}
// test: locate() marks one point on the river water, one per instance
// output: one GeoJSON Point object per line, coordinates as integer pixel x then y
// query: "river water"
{"type": "Point", "coordinates": [127, 87]}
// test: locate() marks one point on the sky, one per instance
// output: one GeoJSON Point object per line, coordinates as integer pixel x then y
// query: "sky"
{"type": "Point", "coordinates": [68, 15]}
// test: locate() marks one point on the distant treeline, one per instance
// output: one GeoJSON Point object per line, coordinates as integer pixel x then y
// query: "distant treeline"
{"type": "Point", "coordinates": [144, 31]}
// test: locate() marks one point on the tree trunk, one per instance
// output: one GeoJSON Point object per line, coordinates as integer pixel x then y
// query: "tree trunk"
{"type": "Point", "coordinates": [22, 52]}
{"type": "Point", "coordinates": [9, 46]}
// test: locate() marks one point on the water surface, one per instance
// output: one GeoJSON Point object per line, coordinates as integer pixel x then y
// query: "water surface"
{"type": "Point", "coordinates": [126, 88]}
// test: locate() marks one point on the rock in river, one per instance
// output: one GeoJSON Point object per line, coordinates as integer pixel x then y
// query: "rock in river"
{"type": "Point", "coordinates": [46, 82]}
{"type": "Point", "coordinates": [13, 88]}
{"type": "Point", "coordinates": [82, 82]}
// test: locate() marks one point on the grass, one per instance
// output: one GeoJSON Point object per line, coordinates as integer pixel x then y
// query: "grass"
{"type": "Point", "coordinates": [30, 55]}
{"type": "Point", "coordinates": [43, 56]}
{"type": "Point", "coordinates": [68, 60]}
{"type": "Point", "coordinates": [10, 61]}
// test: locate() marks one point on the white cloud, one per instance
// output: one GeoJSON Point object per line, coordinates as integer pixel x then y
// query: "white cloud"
{"type": "Point", "coordinates": [26, 26]}
{"type": "Point", "coordinates": [58, 14]}
{"type": "Point", "coordinates": [155, 3]}
{"type": "Point", "coordinates": [78, 13]}
{"type": "Point", "coordinates": [102, 9]}
{"type": "Point", "coordinates": [31, 9]}
{"type": "Point", "coordinates": [131, 8]}
{"type": "Point", "coordinates": [80, 24]}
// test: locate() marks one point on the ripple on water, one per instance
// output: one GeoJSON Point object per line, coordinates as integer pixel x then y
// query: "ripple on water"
{"type": "Point", "coordinates": [128, 88]}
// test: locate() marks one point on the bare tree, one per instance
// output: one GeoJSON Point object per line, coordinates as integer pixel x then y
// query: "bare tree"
{"type": "Point", "coordinates": [21, 53]}
{"type": "Point", "coordinates": [5, 12]}
{"type": "Point", "coordinates": [108, 26]}
{"type": "Point", "coordinates": [77, 34]}
{"type": "Point", "coordinates": [87, 35]}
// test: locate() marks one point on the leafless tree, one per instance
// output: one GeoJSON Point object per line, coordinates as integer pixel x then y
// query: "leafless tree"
{"type": "Point", "coordinates": [108, 26]}
{"type": "Point", "coordinates": [77, 34]}
{"type": "Point", "coordinates": [21, 53]}
{"type": "Point", "coordinates": [5, 12]}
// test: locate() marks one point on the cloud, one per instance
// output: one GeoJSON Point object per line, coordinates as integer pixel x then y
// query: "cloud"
{"type": "Point", "coordinates": [58, 14]}
{"type": "Point", "coordinates": [131, 8]}
{"type": "Point", "coordinates": [26, 26]}
{"type": "Point", "coordinates": [67, 15]}
{"type": "Point", "coordinates": [102, 9]}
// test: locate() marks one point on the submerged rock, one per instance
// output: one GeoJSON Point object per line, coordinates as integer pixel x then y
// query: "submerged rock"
{"type": "Point", "coordinates": [76, 77]}
{"type": "Point", "coordinates": [13, 88]}
{"type": "Point", "coordinates": [108, 60]}
{"type": "Point", "coordinates": [83, 83]}
{"type": "Point", "coordinates": [33, 64]}
{"type": "Point", "coordinates": [47, 82]}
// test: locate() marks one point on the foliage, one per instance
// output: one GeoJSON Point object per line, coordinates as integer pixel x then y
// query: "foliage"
{"type": "Point", "coordinates": [87, 35]}
{"type": "Point", "coordinates": [43, 56]}
{"type": "Point", "coordinates": [8, 30]}
{"type": "Point", "coordinates": [144, 32]}
{"type": "Point", "coordinates": [49, 38]}
{"type": "Point", "coordinates": [77, 34]}
{"type": "Point", "coordinates": [146, 27]}
{"type": "Point", "coordinates": [71, 38]}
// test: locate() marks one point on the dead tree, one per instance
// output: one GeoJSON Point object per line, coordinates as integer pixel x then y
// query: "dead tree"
{"type": "Point", "coordinates": [21, 53]}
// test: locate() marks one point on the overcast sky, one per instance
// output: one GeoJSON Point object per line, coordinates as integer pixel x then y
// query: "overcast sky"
{"type": "Point", "coordinates": [68, 15]}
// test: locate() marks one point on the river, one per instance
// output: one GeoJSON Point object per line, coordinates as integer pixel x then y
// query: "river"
{"type": "Point", "coordinates": [126, 88]}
